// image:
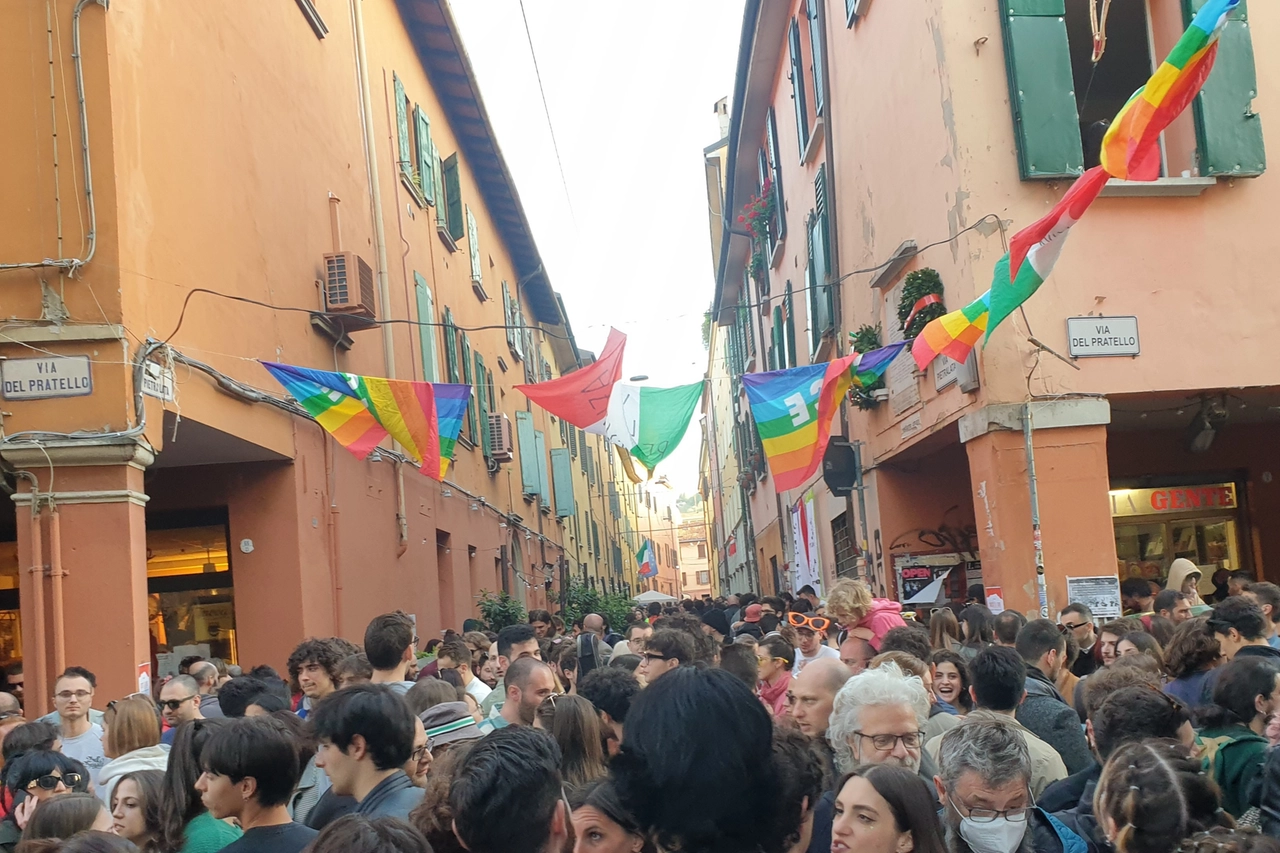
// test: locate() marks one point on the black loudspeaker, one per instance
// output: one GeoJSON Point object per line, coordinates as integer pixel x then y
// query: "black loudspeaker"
{"type": "Point", "coordinates": [840, 468]}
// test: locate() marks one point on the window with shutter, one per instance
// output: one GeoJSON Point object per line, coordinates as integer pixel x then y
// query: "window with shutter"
{"type": "Point", "coordinates": [482, 404]}
{"type": "Point", "coordinates": [473, 243]}
{"type": "Point", "coordinates": [528, 453]}
{"type": "Point", "coordinates": [453, 198]}
{"type": "Point", "coordinates": [585, 449]}
{"type": "Point", "coordinates": [562, 480]}
{"type": "Point", "coordinates": [426, 156]}
{"type": "Point", "coordinates": [778, 225]}
{"type": "Point", "coordinates": [591, 468]}
{"type": "Point", "coordinates": [426, 334]}
{"type": "Point", "coordinates": [1228, 131]}
{"type": "Point", "coordinates": [573, 441]}
{"type": "Point", "coordinates": [450, 347]}
{"type": "Point", "coordinates": [820, 305]}
{"type": "Point", "coordinates": [508, 316]}
{"type": "Point", "coordinates": [402, 127]}
{"type": "Point", "coordinates": [437, 172]}
{"type": "Point", "coordinates": [1041, 89]}
{"type": "Point", "coordinates": [469, 379]}
{"type": "Point", "coordinates": [815, 47]}
{"type": "Point", "coordinates": [544, 481]}
{"type": "Point", "coordinates": [790, 329]}
{"type": "Point", "coordinates": [797, 85]}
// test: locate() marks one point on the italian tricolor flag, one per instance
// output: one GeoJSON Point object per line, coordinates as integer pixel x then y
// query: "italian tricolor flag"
{"type": "Point", "coordinates": [648, 564]}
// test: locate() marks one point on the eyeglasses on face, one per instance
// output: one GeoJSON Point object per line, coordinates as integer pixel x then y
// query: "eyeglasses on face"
{"type": "Point", "coordinates": [814, 623]}
{"type": "Point", "coordinates": [422, 752]}
{"type": "Point", "coordinates": [763, 659]}
{"type": "Point", "coordinates": [52, 780]}
{"type": "Point", "coordinates": [884, 743]}
{"type": "Point", "coordinates": [652, 656]}
{"type": "Point", "coordinates": [175, 704]}
{"type": "Point", "coordinates": [1069, 626]}
{"type": "Point", "coordinates": [68, 695]}
{"type": "Point", "coordinates": [1016, 815]}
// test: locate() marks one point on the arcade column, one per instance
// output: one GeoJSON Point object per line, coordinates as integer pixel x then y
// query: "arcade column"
{"type": "Point", "coordinates": [82, 552]}
{"type": "Point", "coordinates": [1069, 438]}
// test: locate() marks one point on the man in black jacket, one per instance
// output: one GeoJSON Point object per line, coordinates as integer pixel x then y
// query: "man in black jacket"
{"type": "Point", "coordinates": [1044, 711]}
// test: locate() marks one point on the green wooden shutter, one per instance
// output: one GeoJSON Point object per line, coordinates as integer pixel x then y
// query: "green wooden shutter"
{"type": "Point", "coordinates": [453, 197]}
{"type": "Point", "coordinates": [1228, 131]}
{"type": "Point", "coordinates": [482, 404]}
{"type": "Point", "coordinates": [402, 127]}
{"type": "Point", "coordinates": [426, 334]}
{"type": "Point", "coordinates": [788, 306]}
{"type": "Point", "coordinates": [1042, 94]}
{"type": "Point", "coordinates": [775, 166]}
{"type": "Point", "coordinates": [562, 479]}
{"type": "Point", "coordinates": [469, 379]}
{"type": "Point", "coordinates": [426, 157]}
{"type": "Point", "coordinates": [573, 441]}
{"type": "Point", "coordinates": [815, 47]}
{"type": "Point", "coordinates": [528, 453]}
{"type": "Point", "coordinates": [544, 484]}
{"type": "Point", "coordinates": [473, 243]}
{"type": "Point", "coordinates": [797, 86]}
{"type": "Point", "coordinates": [450, 347]}
{"type": "Point", "coordinates": [820, 306]}
{"type": "Point", "coordinates": [507, 315]}
{"type": "Point", "coordinates": [437, 172]}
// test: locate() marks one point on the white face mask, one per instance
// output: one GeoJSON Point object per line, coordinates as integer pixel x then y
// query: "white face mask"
{"type": "Point", "coordinates": [995, 836]}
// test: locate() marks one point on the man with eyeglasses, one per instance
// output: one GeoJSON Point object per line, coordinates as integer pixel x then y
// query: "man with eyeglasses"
{"type": "Point", "coordinates": [811, 631]}
{"type": "Point", "coordinates": [666, 650]}
{"type": "Point", "coordinates": [998, 679]}
{"type": "Point", "coordinates": [984, 784]}
{"type": "Point", "coordinates": [81, 737]}
{"type": "Point", "coordinates": [1077, 619]}
{"type": "Point", "coordinates": [179, 703]}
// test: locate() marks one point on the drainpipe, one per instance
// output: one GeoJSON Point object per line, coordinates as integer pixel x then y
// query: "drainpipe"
{"type": "Point", "coordinates": [375, 191]}
{"type": "Point", "coordinates": [331, 529]}
{"type": "Point", "coordinates": [39, 668]}
{"type": "Point", "coordinates": [55, 580]}
{"type": "Point", "coordinates": [402, 519]}
{"type": "Point", "coordinates": [1027, 430]}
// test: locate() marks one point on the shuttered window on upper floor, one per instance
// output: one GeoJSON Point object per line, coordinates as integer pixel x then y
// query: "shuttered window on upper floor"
{"type": "Point", "coordinates": [426, 332]}
{"type": "Point", "coordinates": [1062, 103]}
{"type": "Point", "coordinates": [821, 308]}
{"type": "Point", "coordinates": [797, 85]}
{"type": "Point", "coordinates": [415, 152]}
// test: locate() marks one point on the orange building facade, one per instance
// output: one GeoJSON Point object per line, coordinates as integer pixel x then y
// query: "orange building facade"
{"type": "Point", "coordinates": [181, 181]}
{"type": "Point", "coordinates": [1140, 370]}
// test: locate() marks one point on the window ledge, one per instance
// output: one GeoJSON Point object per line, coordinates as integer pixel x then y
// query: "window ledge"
{"type": "Point", "coordinates": [775, 257]}
{"type": "Point", "coordinates": [443, 231]}
{"type": "Point", "coordinates": [815, 140]}
{"type": "Point", "coordinates": [418, 198]}
{"type": "Point", "coordinates": [1159, 188]}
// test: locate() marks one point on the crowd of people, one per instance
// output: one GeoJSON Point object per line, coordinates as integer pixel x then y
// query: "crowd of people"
{"type": "Point", "coordinates": [788, 724]}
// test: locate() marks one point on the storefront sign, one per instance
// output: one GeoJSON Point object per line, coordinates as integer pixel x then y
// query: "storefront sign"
{"type": "Point", "coordinates": [1100, 594]}
{"type": "Point", "coordinates": [1088, 337]}
{"type": "Point", "coordinates": [1126, 502]}
{"type": "Point", "coordinates": [42, 378]}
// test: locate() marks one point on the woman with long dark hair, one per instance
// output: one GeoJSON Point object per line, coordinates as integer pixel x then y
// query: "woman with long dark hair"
{"type": "Point", "coordinates": [575, 724]}
{"type": "Point", "coordinates": [979, 628]}
{"type": "Point", "coordinates": [885, 809]}
{"type": "Point", "coordinates": [135, 805]}
{"type": "Point", "coordinates": [601, 824]}
{"type": "Point", "coordinates": [63, 816]}
{"type": "Point", "coordinates": [951, 680]}
{"type": "Point", "coordinates": [185, 825]}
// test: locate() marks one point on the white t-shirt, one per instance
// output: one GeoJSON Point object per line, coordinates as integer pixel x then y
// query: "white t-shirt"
{"type": "Point", "coordinates": [823, 652]}
{"type": "Point", "coordinates": [87, 749]}
{"type": "Point", "coordinates": [478, 690]}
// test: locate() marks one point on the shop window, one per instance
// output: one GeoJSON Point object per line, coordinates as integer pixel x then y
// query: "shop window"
{"type": "Point", "coordinates": [190, 594]}
{"type": "Point", "coordinates": [1155, 526]}
{"type": "Point", "coordinates": [10, 617]}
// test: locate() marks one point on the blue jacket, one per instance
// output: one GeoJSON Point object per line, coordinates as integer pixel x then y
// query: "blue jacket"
{"type": "Point", "coordinates": [395, 796]}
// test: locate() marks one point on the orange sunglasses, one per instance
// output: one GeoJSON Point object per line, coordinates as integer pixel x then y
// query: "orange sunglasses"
{"type": "Point", "coordinates": [814, 623]}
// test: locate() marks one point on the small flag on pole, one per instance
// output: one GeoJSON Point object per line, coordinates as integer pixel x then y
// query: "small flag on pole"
{"type": "Point", "coordinates": [645, 558]}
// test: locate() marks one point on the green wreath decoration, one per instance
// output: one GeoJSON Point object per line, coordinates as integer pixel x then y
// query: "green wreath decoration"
{"type": "Point", "coordinates": [919, 284]}
{"type": "Point", "coordinates": [866, 339]}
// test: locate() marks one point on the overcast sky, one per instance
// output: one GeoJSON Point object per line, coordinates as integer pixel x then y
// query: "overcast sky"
{"type": "Point", "coordinates": [630, 89]}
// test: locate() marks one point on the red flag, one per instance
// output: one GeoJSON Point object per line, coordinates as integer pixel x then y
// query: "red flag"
{"type": "Point", "coordinates": [582, 397]}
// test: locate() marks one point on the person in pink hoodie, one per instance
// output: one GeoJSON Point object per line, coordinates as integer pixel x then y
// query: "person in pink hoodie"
{"type": "Point", "coordinates": [852, 606]}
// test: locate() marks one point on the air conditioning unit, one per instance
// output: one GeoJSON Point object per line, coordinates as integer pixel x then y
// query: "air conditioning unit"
{"type": "Point", "coordinates": [501, 442]}
{"type": "Point", "coordinates": [348, 285]}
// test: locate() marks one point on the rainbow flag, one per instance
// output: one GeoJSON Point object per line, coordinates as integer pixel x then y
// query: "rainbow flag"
{"type": "Point", "coordinates": [953, 335]}
{"type": "Point", "coordinates": [1130, 150]}
{"type": "Point", "coordinates": [793, 409]}
{"type": "Point", "coordinates": [360, 411]}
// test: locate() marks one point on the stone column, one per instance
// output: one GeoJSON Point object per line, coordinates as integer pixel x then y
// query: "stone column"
{"type": "Point", "coordinates": [1070, 441]}
{"type": "Point", "coordinates": [96, 488]}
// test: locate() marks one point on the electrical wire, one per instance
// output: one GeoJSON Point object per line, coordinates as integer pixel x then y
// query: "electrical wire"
{"type": "Point", "coordinates": [547, 112]}
{"type": "Point", "coordinates": [334, 316]}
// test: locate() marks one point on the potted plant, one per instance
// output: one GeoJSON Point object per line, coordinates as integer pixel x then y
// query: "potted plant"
{"type": "Point", "coordinates": [867, 339]}
{"type": "Point", "coordinates": [756, 215]}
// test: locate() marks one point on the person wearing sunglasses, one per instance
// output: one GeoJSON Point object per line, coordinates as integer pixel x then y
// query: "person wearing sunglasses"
{"type": "Point", "coordinates": [33, 778]}
{"type": "Point", "coordinates": [179, 703]}
{"type": "Point", "coordinates": [774, 659]}
{"type": "Point", "coordinates": [811, 631]}
{"type": "Point", "coordinates": [1077, 620]}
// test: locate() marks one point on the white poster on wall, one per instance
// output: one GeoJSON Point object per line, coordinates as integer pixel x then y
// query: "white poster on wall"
{"type": "Point", "coordinates": [806, 565]}
{"type": "Point", "coordinates": [1100, 594]}
{"type": "Point", "coordinates": [815, 555]}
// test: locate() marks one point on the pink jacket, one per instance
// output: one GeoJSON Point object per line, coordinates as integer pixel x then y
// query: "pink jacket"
{"type": "Point", "coordinates": [775, 697]}
{"type": "Point", "coordinates": [884, 616]}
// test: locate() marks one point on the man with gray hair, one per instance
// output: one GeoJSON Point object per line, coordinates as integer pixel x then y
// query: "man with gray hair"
{"type": "Point", "coordinates": [206, 676]}
{"type": "Point", "coordinates": [984, 784]}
